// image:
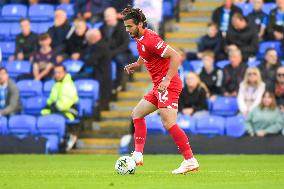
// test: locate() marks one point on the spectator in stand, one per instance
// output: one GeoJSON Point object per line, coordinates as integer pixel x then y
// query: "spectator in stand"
{"type": "Point", "coordinates": [63, 99]}
{"type": "Point", "coordinates": [193, 97]}
{"type": "Point", "coordinates": [211, 76]}
{"type": "Point", "coordinates": [98, 56]}
{"type": "Point", "coordinates": [76, 44]}
{"type": "Point", "coordinates": [251, 91]}
{"type": "Point", "coordinates": [279, 88]}
{"type": "Point", "coordinates": [43, 60]}
{"type": "Point", "coordinates": [59, 32]}
{"type": "Point", "coordinates": [91, 10]}
{"type": "Point", "coordinates": [242, 36]}
{"type": "Point", "coordinates": [275, 22]}
{"type": "Point", "coordinates": [119, 5]}
{"type": "Point", "coordinates": [212, 41]}
{"type": "Point", "coordinates": [223, 16]}
{"type": "Point", "coordinates": [233, 73]}
{"type": "Point", "coordinates": [26, 42]}
{"type": "Point", "coordinates": [258, 19]}
{"type": "Point", "coordinates": [269, 67]}
{"type": "Point", "coordinates": [266, 118]}
{"type": "Point", "coordinates": [115, 35]}
{"type": "Point", "coordinates": [9, 95]}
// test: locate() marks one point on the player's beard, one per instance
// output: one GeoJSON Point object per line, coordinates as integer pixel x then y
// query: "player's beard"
{"type": "Point", "coordinates": [135, 34]}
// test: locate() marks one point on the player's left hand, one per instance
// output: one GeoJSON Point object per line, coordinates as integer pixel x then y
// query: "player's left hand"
{"type": "Point", "coordinates": [164, 85]}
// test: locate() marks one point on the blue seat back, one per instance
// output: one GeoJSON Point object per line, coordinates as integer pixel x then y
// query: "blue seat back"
{"type": "Point", "coordinates": [225, 106]}
{"type": "Point", "coordinates": [222, 63]}
{"type": "Point", "coordinates": [68, 8]}
{"type": "Point", "coordinates": [51, 124]}
{"type": "Point", "coordinates": [85, 107]}
{"type": "Point", "coordinates": [4, 30]}
{"type": "Point", "coordinates": [168, 8]}
{"type": "Point", "coordinates": [22, 125]}
{"type": "Point", "coordinates": [246, 8]}
{"type": "Point", "coordinates": [154, 124]}
{"type": "Point", "coordinates": [235, 126]}
{"type": "Point", "coordinates": [197, 65]}
{"type": "Point", "coordinates": [263, 46]}
{"type": "Point", "coordinates": [29, 88]}
{"type": "Point", "coordinates": [14, 12]}
{"type": "Point", "coordinates": [47, 87]}
{"type": "Point", "coordinates": [41, 12]}
{"type": "Point", "coordinates": [3, 125]}
{"type": "Point", "coordinates": [34, 105]}
{"type": "Point", "coordinates": [210, 125]}
{"type": "Point", "coordinates": [15, 30]}
{"type": "Point", "coordinates": [88, 88]}
{"type": "Point", "coordinates": [113, 70]}
{"type": "Point", "coordinates": [8, 48]}
{"type": "Point", "coordinates": [52, 143]}
{"type": "Point", "coordinates": [267, 7]}
{"type": "Point", "coordinates": [187, 123]}
{"type": "Point", "coordinates": [73, 66]}
{"type": "Point", "coordinates": [44, 26]}
{"type": "Point", "coordinates": [18, 67]}
{"type": "Point", "coordinates": [253, 64]}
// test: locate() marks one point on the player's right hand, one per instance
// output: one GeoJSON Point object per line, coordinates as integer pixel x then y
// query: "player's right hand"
{"type": "Point", "coordinates": [130, 68]}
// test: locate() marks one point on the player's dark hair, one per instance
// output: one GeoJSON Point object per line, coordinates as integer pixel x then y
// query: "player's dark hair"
{"type": "Point", "coordinates": [135, 14]}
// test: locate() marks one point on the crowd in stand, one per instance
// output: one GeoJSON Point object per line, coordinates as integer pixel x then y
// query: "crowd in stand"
{"type": "Point", "coordinates": [255, 80]}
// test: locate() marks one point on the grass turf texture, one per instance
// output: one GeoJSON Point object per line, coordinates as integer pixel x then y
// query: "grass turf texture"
{"type": "Point", "coordinates": [97, 172]}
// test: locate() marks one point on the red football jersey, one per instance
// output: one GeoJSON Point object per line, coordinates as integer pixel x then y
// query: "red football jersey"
{"type": "Point", "coordinates": [151, 49]}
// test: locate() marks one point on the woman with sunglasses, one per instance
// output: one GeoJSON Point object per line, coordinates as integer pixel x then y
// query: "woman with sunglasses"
{"type": "Point", "coordinates": [250, 91]}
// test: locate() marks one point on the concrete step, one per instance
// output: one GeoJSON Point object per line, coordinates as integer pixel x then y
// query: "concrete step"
{"type": "Point", "coordinates": [138, 86]}
{"type": "Point", "coordinates": [192, 35]}
{"type": "Point", "coordinates": [93, 151]}
{"type": "Point", "coordinates": [130, 95]}
{"type": "Point", "coordinates": [186, 27]}
{"type": "Point", "coordinates": [195, 19]}
{"type": "Point", "coordinates": [206, 6]}
{"type": "Point", "coordinates": [123, 105]}
{"type": "Point", "coordinates": [184, 45]}
{"type": "Point", "coordinates": [98, 143]}
{"type": "Point", "coordinates": [115, 115]}
{"type": "Point", "coordinates": [196, 14]}
{"type": "Point", "coordinates": [142, 76]}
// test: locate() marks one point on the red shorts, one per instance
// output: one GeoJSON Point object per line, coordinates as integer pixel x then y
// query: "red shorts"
{"type": "Point", "coordinates": [167, 99]}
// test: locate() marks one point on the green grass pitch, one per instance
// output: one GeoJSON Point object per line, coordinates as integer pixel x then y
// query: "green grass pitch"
{"type": "Point", "coordinates": [97, 172]}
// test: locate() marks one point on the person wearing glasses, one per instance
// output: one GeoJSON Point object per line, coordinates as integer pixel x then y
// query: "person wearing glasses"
{"type": "Point", "coordinates": [250, 91]}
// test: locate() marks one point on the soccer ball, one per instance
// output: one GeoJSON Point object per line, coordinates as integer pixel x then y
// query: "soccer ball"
{"type": "Point", "coordinates": [125, 165]}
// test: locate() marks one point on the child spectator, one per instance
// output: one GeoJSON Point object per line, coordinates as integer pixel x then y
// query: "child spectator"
{"type": "Point", "coordinates": [266, 118]}
{"type": "Point", "coordinates": [251, 91]}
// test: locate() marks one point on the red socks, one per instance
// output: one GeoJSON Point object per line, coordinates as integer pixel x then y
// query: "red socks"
{"type": "Point", "coordinates": [181, 141]}
{"type": "Point", "coordinates": [140, 134]}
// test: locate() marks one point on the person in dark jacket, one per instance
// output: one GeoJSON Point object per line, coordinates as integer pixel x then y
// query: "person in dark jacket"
{"type": "Point", "coordinates": [269, 67]}
{"type": "Point", "coordinates": [242, 36]}
{"type": "Point", "coordinates": [257, 18]}
{"type": "Point", "coordinates": [9, 95]}
{"type": "Point", "coordinates": [275, 27]}
{"type": "Point", "coordinates": [233, 73]}
{"type": "Point", "coordinates": [223, 16]}
{"type": "Point", "coordinates": [278, 88]}
{"type": "Point", "coordinates": [97, 55]}
{"type": "Point", "coordinates": [26, 42]}
{"type": "Point", "coordinates": [211, 76]}
{"type": "Point", "coordinates": [76, 44]}
{"type": "Point", "coordinates": [59, 32]}
{"type": "Point", "coordinates": [117, 38]}
{"type": "Point", "coordinates": [193, 97]}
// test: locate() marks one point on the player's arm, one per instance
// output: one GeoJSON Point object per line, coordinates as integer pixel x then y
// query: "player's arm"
{"type": "Point", "coordinates": [176, 61]}
{"type": "Point", "coordinates": [130, 68]}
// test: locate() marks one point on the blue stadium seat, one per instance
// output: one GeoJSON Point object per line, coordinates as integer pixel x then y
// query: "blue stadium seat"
{"type": "Point", "coordinates": [73, 66]}
{"type": "Point", "coordinates": [154, 124]}
{"type": "Point", "coordinates": [41, 12]}
{"type": "Point", "coordinates": [35, 27]}
{"type": "Point", "coordinates": [98, 24]}
{"type": "Point", "coordinates": [246, 8]}
{"type": "Point", "coordinates": [88, 88]}
{"type": "Point", "coordinates": [5, 30]}
{"type": "Point", "coordinates": [133, 48]}
{"type": "Point", "coordinates": [263, 46]}
{"type": "Point", "coordinates": [85, 107]}
{"type": "Point", "coordinates": [235, 126]}
{"type": "Point", "coordinates": [210, 125]}
{"type": "Point", "coordinates": [222, 63]}
{"type": "Point", "coordinates": [34, 105]}
{"type": "Point", "coordinates": [29, 88]}
{"type": "Point", "coordinates": [68, 8]}
{"type": "Point", "coordinates": [187, 123]}
{"type": "Point", "coordinates": [22, 125]}
{"type": "Point", "coordinates": [225, 106]}
{"type": "Point", "coordinates": [113, 70]}
{"type": "Point", "coordinates": [14, 12]}
{"type": "Point", "coordinates": [52, 127]}
{"type": "Point", "coordinates": [15, 30]}
{"type": "Point", "coordinates": [3, 125]}
{"type": "Point", "coordinates": [51, 124]}
{"type": "Point", "coordinates": [44, 26]}
{"type": "Point", "coordinates": [267, 7]}
{"type": "Point", "coordinates": [187, 66]}
{"type": "Point", "coordinates": [8, 49]}
{"type": "Point", "coordinates": [18, 67]}
{"type": "Point", "coordinates": [47, 87]}
{"type": "Point", "coordinates": [197, 65]}
{"type": "Point", "coordinates": [168, 8]}
{"type": "Point", "coordinates": [253, 64]}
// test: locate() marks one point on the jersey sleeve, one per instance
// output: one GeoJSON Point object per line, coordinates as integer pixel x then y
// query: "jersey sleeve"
{"type": "Point", "coordinates": [158, 46]}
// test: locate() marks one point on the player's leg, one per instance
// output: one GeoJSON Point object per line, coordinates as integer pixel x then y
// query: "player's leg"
{"type": "Point", "coordinates": [142, 109]}
{"type": "Point", "coordinates": [169, 120]}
